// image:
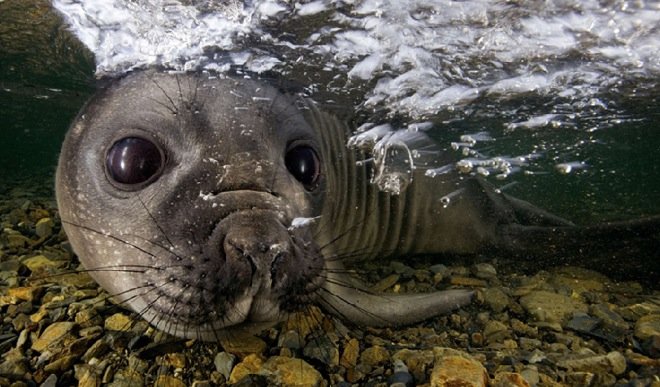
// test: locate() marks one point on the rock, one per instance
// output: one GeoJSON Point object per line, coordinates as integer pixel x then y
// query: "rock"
{"type": "Point", "coordinates": [52, 335]}
{"type": "Point", "coordinates": [87, 375]}
{"type": "Point", "coordinates": [60, 365]}
{"type": "Point", "coordinates": [285, 371]}
{"type": "Point", "coordinates": [16, 240]}
{"type": "Point", "coordinates": [418, 362]}
{"type": "Point", "coordinates": [224, 362]}
{"type": "Point", "coordinates": [496, 331]}
{"type": "Point", "coordinates": [322, 349]}
{"type": "Point", "coordinates": [14, 364]}
{"type": "Point", "coordinates": [176, 360]}
{"type": "Point", "coordinates": [96, 350]}
{"type": "Point", "coordinates": [118, 322]}
{"type": "Point", "coordinates": [635, 311]}
{"type": "Point", "coordinates": [614, 362]}
{"type": "Point", "coordinates": [51, 381]}
{"type": "Point", "coordinates": [350, 355]}
{"type": "Point", "coordinates": [401, 377]}
{"type": "Point", "coordinates": [484, 271]}
{"type": "Point", "coordinates": [509, 379]}
{"type": "Point", "coordinates": [457, 368]}
{"type": "Point", "coordinates": [647, 327]}
{"type": "Point", "coordinates": [242, 344]}
{"type": "Point", "coordinates": [290, 339]}
{"type": "Point", "coordinates": [496, 298]}
{"type": "Point", "coordinates": [251, 364]}
{"type": "Point", "coordinates": [374, 356]}
{"type": "Point", "coordinates": [402, 268]}
{"type": "Point", "coordinates": [168, 381]}
{"type": "Point", "coordinates": [457, 280]}
{"type": "Point", "coordinates": [26, 293]}
{"type": "Point", "coordinates": [551, 307]}
{"type": "Point", "coordinates": [385, 283]}
{"type": "Point", "coordinates": [41, 262]}
{"type": "Point", "coordinates": [44, 227]}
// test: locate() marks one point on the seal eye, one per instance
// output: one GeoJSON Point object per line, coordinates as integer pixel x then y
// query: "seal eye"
{"type": "Point", "coordinates": [303, 163]}
{"type": "Point", "coordinates": [133, 160]}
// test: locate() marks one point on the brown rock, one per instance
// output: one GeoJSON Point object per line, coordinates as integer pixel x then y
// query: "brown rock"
{"type": "Point", "coordinates": [385, 283]}
{"type": "Point", "coordinates": [457, 369]}
{"type": "Point", "coordinates": [118, 322]}
{"type": "Point", "coordinates": [168, 381]}
{"type": "Point", "coordinates": [509, 379]}
{"type": "Point", "coordinates": [467, 281]}
{"type": "Point", "coordinates": [286, 371]}
{"type": "Point", "coordinates": [350, 355]}
{"type": "Point", "coordinates": [647, 327]}
{"type": "Point", "coordinates": [374, 356]}
{"type": "Point", "coordinates": [53, 334]}
{"type": "Point", "coordinates": [250, 365]}
{"type": "Point", "coordinates": [26, 293]}
{"type": "Point", "coordinates": [243, 344]}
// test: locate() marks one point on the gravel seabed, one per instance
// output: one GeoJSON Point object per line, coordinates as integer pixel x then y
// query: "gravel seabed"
{"type": "Point", "coordinates": [562, 326]}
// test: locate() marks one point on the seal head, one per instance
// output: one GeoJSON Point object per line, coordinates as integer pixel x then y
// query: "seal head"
{"type": "Point", "coordinates": [178, 194]}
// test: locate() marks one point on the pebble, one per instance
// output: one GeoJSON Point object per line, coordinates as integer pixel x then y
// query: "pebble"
{"type": "Point", "coordinates": [496, 299]}
{"type": "Point", "coordinates": [322, 349]}
{"type": "Point", "coordinates": [484, 271]}
{"type": "Point", "coordinates": [44, 227]}
{"type": "Point", "coordinates": [467, 282]}
{"type": "Point", "coordinates": [243, 344]}
{"type": "Point", "coordinates": [26, 293]}
{"type": "Point", "coordinates": [53, 334]}
{"type": "Point", "coordinates": [168, 381]}
{"type": "Point", "coordinates": [456, 368]}
{"type": "Point", "coordinates": [551, 307]}
{"type": "Point", "coordinates": [647, 327]}
{"type": "Point", "coordinates": [385, 283]}
{"type": "Point", "coordinates": [118, 322]}
{"type": "Point", "coordinates": [41, 262]}
{"type": "Point", "coordinates": [350, 355]}
{"type": "Point", "coordinates": [614, 362]}
{"type": "Point", "coordinates": [286, 371]}
{"type": "Point", "coordinates": [224, 363]}
{"type": "Point", "coordinates": [251, 364]}
{"type": "Point", "coordinates": [374, 356]}
{"type": "Point", "coordinates": [509, 379]}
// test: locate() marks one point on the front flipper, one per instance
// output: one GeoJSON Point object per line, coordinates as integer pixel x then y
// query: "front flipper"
{"type": "Point", "coordinates": [350, 301]}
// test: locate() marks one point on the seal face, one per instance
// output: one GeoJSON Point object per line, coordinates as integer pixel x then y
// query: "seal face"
{"type": "Point", "coordinates": [178, 194]}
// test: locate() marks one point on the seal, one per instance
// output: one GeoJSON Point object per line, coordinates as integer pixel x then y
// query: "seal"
{"type": "Point", "coordinates": [207, 203]}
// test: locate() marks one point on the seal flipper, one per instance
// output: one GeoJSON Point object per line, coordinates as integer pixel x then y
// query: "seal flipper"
{"type": "Point", "coordinates": [349, 300]}
{"type": "Point", "coordinates": [623, 250]}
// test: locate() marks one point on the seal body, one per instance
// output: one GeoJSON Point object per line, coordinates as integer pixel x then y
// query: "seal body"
{"type": "Point", "coordinates": [207, 203]}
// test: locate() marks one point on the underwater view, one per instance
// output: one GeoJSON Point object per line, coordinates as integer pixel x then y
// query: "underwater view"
{"type": "Point", "coordinates": [329, 193]}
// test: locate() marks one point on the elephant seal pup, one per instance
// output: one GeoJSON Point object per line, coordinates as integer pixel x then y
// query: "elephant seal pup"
{"type": "Point", "coordinates": [206, 204]}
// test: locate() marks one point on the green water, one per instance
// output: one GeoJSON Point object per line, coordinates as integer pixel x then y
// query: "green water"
{"type": "Point", "coordinates": [46, 75]}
